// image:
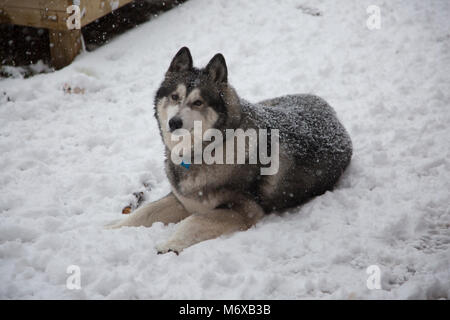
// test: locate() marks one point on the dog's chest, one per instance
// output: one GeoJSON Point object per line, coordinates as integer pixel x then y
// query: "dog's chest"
{"type": "Point", "coordinates": [200, 179]}
{"type": "Point", "coordinates": [203, 187]}
{"type": "Point", "coordinates": [199, 191]}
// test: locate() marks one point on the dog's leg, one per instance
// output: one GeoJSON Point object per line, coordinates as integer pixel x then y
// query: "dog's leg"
{"type": "Point", "coordinates": [200, 227]}
{"type": "Point", "coordinates": [166, 210]}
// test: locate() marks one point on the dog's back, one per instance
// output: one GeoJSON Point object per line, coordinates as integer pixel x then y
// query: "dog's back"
{"type": "Point", "coordinates": [314, 147]}
{"type": "Point", "coordinates": [212, 199]}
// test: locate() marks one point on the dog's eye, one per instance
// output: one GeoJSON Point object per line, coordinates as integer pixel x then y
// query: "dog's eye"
{"type": "Point", "coordinates": [175, 97]}
{"type": "Point", "coordinates": [197, 103]}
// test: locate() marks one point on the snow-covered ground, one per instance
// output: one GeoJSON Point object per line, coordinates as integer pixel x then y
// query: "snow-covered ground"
{"type": "Point", "coordinates": [70, 162]}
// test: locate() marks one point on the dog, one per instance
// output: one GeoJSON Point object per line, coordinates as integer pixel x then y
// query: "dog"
{"type": "Point", "coordinates": [210, 200]}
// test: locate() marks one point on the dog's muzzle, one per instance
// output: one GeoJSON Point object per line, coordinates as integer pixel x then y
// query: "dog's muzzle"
{"type": "Point", "coordinates": [175, 123]}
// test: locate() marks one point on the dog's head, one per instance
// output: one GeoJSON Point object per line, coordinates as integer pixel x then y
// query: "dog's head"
{"type": "Point", "coordinates": [188, 94]}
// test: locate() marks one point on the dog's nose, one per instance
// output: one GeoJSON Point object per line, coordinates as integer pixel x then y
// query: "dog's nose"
{"type": "Point", "coordinates": [175, 123]}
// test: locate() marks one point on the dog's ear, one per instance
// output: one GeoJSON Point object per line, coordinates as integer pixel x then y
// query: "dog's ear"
{"type": "Point", "coordinates": [217, 69]}
{"type": "Point", "coordinates": [182, 61]}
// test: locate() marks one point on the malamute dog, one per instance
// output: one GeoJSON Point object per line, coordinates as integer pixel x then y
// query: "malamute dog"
{"type": "Point", "coordinates": [215, 199]}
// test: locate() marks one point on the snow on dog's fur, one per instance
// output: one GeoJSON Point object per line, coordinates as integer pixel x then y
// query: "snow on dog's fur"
{"type": "Point", "coordinates": [215, 199]}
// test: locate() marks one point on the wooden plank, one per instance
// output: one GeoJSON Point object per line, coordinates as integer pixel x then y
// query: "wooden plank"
{"type": "Point", "coordinates": [52, 14]}
{"type": "Point", "coordinates": [35, 13]}
{"type": "Point", "coordinates": [55, 5]}
{"type": "Point", "coordinates": [34, 18]}
{"type": "Point", "coordinates": [64, 46]}
{"type": "Point", "coordinates": [91, 10]}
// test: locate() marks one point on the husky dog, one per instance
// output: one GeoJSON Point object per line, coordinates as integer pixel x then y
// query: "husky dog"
{"type": "Point", "coordinates": [215, 199]}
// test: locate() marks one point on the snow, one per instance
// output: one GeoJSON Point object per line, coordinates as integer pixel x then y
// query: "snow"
{"type": "Point", "coordinates": [70, 162]}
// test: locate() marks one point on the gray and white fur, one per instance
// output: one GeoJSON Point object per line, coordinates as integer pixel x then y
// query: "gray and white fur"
{"type": "Point", "coordinates": [216, 199]}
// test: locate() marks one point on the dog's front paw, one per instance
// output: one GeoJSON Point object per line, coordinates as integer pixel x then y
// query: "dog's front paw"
{"type": "Point", "coordinates": [169, 246]}
{"type": "Point", "coordinates": [114, 225]}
